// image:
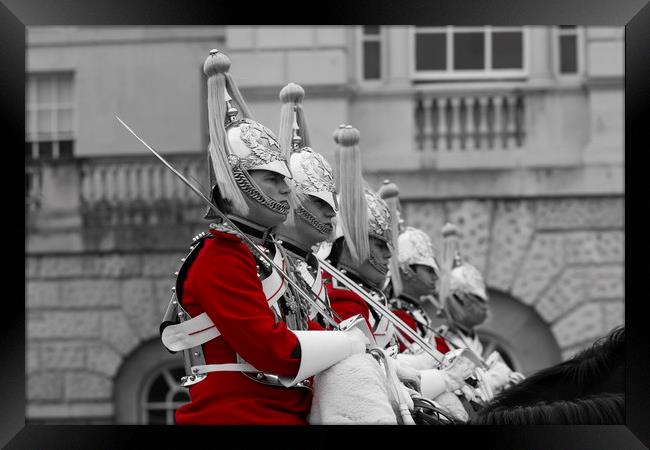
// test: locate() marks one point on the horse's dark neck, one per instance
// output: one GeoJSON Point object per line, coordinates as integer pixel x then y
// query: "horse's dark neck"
{"type": "Point", "coordinates": [596, 370]}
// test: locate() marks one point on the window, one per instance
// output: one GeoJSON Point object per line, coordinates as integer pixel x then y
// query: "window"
{"type": "Point", "coordinates": [147, 385]}
{"type": "Point", "coordinates": [49, 116]}
{"type": "Point", "coordinates": [441, 53]}
{"type": "Point", "coordinates": [568, 41]}
{"type": "Point", "coordinates": [163, 395]}
{"type": "Point", "coordinates": [371, 52]}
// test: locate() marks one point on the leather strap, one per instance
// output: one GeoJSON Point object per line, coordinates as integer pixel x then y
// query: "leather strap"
{"type": "Point", "coordinates": [231, 367]}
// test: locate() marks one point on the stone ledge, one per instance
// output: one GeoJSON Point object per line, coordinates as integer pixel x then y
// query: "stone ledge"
{"type": "Point", "coordinates": [69, 410]}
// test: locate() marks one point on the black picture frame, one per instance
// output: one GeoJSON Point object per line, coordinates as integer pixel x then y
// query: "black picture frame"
{"type": "Point", "coordinates": [633, 14]}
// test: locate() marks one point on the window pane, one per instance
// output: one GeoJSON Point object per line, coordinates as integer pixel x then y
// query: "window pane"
{"type": "Point", "coordinates": [430, 51]}
{"type": "Point", "coordinates": [157, 417]}
{"type": "Point", "coordinates": [30, 91]}
{"type": "Point", "coordinates": [371, 61]}
{"type": "Point", "coordinates": [65, 120]}
{"type": "Point", "coordinates": [28, 151]}
{"type": "Point", "coordinates": [44, 90]}
{"type": "Point", "coordinates": [45, 150]}
{"type": "Point", "coordinates": [65, 89]}
{"type": "Point", "coordinates": [65, 149]}
{"type": "Point", "coordinates": [568, 54]}
{"type": "Point", "coordinates": [507, 50]}
{"type": "Point", "coordinates": [181, 396]}
{"type": "Point", "coordinates": [469, 51]}
{"type": "Point", "coordinates": [158, 390]}
{"type": "Point", "coordinates": [29, 127]}
{"type": "Point", "coordinates": [44, 121]}
{"type": "Point", "coordinates": [372, 29]}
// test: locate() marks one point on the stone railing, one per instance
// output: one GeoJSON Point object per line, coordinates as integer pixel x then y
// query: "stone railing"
{"type": "Point", "coordinates": [124, 180]}
{"type": "Point", "coordinates": [106, 203]}
{"type": "Point", "coordinates": [491, 118]}
{"type": "Point", "coordinates": [33, 187]}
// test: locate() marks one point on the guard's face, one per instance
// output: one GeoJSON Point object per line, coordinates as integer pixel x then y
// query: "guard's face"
{"type": "Point", "coordinates": [470, 311]}
{"type": "Point", "coordinates": [273, 185]}
{"type": "Point", "coordinates": [380, 253]}
{"type": "Point", "coordinates": [425, 280]}
{"type": "Point", "coordinates": [322, 212]}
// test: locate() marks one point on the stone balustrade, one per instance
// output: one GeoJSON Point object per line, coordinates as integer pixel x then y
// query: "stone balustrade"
{"type": "Point", "coordinates": [480, 120]}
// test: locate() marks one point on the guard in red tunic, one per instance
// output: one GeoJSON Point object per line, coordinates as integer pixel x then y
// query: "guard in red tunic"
{"type": "Point", "coordinates": [416, 277]}
{"type": "Point", "coordinates": [362, 244]}
{"type": "Point", "coordinates": [247, 341]}
{"type": "Point", "coordinates": [418, 272]}
{"type": "Point", "coordinates": [313, 200]}
{"type": "Point", "coordinates": [362, 249]}
{"type": "Point", "coordinates": [465, 305]}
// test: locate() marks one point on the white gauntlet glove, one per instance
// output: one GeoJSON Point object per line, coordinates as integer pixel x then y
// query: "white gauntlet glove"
{"type": "Point", "coordinates": [451, 404]}
{"type": "Point", "coordinates": [498, 374]}
{"type": "Point", "coordinates": [407, 375]}
{"type": "Point", "coordinates": [357, 339]}
{"type": "Point", "coordinates": [434, 382]}
{"type": "Point", "coordinates": [456, 373]}
{"type": "Point", "coordinates": [516, 377]}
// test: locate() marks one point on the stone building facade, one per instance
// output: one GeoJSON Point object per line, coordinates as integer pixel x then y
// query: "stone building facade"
{"type": "Point", "coordinates": [528, 163]}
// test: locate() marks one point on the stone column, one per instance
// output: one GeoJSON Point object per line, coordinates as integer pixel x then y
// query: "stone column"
{"type": "Point", "coordinates": [56, 225]}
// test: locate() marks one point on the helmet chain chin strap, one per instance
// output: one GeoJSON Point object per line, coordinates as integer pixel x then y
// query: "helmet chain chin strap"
{"type": "Point", "coordinates": [252, 191]}
{"type": "Point", "coordinates": [304, 214]}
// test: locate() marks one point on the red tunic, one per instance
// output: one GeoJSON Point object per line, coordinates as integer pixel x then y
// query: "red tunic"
{"type": "Point", "coordinates": [223, 282]}
{"type": "Point", "coordinates": [441, 344]}
{"type": "Point", "coordinates": [408, 320]}
{"type": "Point", "coordinates": [345, 302]}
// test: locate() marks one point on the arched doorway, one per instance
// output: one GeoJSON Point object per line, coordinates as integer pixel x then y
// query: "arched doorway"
{"type": "Point", "coordinates": [521, 333]}
{"type": "Point", "coordinates": [147, 387]}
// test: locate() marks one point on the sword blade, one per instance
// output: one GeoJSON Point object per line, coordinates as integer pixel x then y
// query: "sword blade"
{"type": "Point", "coordinates": [170, 167]}
{"type": "Point", "coordinates": [384, 311]}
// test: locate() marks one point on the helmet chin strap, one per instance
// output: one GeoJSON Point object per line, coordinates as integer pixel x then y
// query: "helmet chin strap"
{"type": "Point", "coordinates": [250, 188]}
{"type": "Point", "coordinates": [323, 228]}
{"type": "Point", "coordinates": [381, 268]}
{"type": "Point", "coordinates": [409, 274]}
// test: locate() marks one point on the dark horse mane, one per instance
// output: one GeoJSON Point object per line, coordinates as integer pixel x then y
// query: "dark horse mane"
{"type": "Point", "coordinates": [597, 409]}
{"type": "Point", "coordinates": [598, 369]}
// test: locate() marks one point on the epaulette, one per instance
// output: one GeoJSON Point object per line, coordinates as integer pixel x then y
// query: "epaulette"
{"type": "Point", "coordinates": [222, 227]}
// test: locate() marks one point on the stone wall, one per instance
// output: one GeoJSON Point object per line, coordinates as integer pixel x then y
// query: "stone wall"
{"type": "Point", "coordinates": [562, 257]}
{"type": "Point", "coordinates": [86, 313]}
